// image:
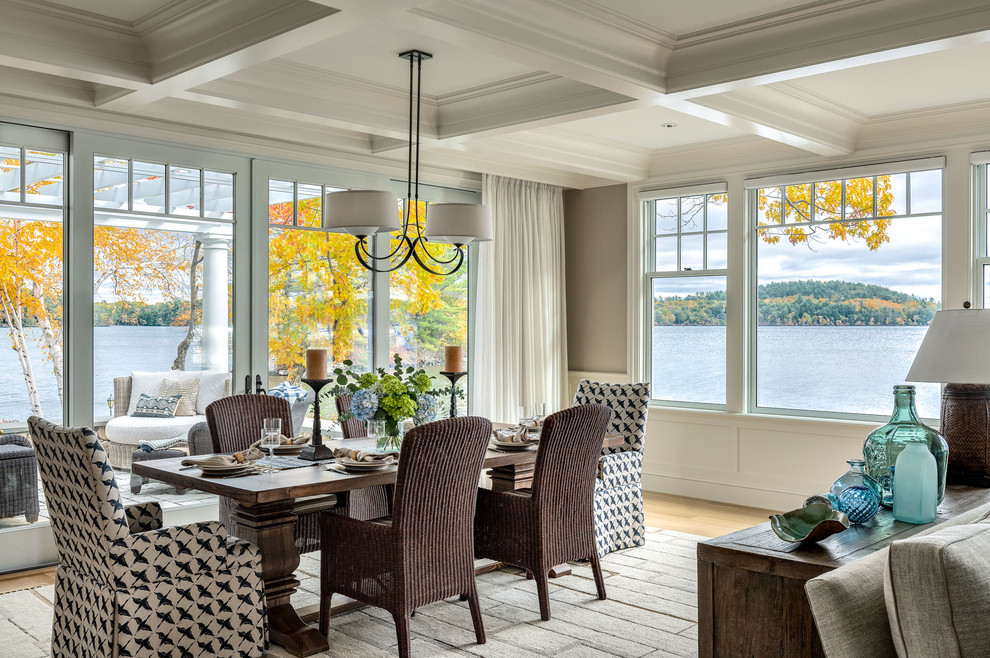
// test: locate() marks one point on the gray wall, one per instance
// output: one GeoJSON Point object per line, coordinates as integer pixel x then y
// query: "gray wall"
{"type": "Point", "coordinates": [595, 239]}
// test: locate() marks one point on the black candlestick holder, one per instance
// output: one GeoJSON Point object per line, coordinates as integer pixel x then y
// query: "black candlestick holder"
{"type": "Point", "coordinates": [453, 377]}
{"type": "Point", "coordinates": [316, 451]}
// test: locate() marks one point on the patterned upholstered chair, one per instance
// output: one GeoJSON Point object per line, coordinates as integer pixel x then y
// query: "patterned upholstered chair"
{"type": "Point", "coordinates": [619, 518]}
{"type": "Point", "coordinates": [126, 586]}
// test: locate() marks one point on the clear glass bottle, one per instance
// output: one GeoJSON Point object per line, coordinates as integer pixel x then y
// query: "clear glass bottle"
{"type": "Point", "coordinates": [884, 444]}
{"type": "Point", "coordinates": [856, 493]}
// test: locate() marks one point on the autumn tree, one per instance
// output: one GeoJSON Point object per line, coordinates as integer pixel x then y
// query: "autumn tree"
{"type": "Point", "coordinates": [789, 211]}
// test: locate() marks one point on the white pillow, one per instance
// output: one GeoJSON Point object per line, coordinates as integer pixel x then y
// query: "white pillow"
{"type": "Point", "coordinates": [150, 383]}
{"type": "Point", "coordinates": [212, 387]}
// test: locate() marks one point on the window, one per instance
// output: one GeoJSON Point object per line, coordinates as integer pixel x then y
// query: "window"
{"type": "Point", "coordinates": [687, 295]}
{"type": "Point", "coordinates": [428, 311]}
{"type": "Point", "coordinates": [848, 279]}
{"type": "Point", "coordinates": [983, 225]}
{"type": "Point", "coordinates": [318, 294]}
{"type": "Point", "coordinates": [162, 271]}
{"type": "Point", "coordinates": [32, 190]}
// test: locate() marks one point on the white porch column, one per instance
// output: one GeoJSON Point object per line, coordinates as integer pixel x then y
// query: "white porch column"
{"type": "Point", "coordinates": [215, 350]}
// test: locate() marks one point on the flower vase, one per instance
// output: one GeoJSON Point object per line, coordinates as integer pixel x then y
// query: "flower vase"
{"type": "Point", "coordinates": [884, 444]}
{"type": "Point", "coordinates": [856, 493]}
{"type": "Point", "coordinates": [391, 440]}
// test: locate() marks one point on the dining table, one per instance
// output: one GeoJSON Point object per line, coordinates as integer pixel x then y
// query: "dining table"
{"type": "Point", "coordinates": [263, 505]}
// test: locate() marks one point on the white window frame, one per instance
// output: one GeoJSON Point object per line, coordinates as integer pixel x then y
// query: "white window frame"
{"type": "Point", "coordinates": [981, 217]}
{"type": "Point", "coordinates": [752, 186]}
{"type": "Point", "coordinates": [647, 224]}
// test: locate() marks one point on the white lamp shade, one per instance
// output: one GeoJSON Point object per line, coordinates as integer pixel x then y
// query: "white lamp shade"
{"type": "Point", "coordinates": [361, 212]}
{"type": "Point", "coordinates": [458, 223]}
{"type": "Point", "coordinates": [955, 350]}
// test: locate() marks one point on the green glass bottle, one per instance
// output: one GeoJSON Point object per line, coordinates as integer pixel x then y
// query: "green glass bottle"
{"type": "Point", "coordinates": [884, 444]}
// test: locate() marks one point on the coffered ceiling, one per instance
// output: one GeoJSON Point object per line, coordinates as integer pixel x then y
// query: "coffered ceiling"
{"type": "Point", "coordinates": [573, 92]}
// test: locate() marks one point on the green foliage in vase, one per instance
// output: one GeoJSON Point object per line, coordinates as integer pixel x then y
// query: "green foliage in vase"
{"type": "Point", "coordinates": [397, 391]}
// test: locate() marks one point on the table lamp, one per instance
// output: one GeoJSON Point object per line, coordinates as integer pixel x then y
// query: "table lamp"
{"type": "Point", "coordinates": [956, 352]}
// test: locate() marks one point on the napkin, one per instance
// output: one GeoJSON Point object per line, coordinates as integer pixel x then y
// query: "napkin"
{"type": "Point", "coordinates": [286, 441]}
{"type": "Point", "coordinates": [512, 434]}
{"type": "Point", "coordinates": [236, 459]}
{"type": "Point", "coordinates": [365, 456]}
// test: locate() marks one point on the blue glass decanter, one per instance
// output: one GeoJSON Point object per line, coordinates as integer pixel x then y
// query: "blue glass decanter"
{"type": "Point", "coordinates": [856, 493]}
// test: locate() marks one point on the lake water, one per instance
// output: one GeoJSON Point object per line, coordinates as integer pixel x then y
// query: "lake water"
{"type": "Point", "coordinates": [117, 351]}
{"type": "Point", "coordinates": [848, 369]}
{"type": "Point", "coordinates": [820, 368]}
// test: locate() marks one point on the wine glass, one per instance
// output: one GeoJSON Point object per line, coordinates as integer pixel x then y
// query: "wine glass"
{"type": "Point", "coordinates": [540, 412]}
{"type": "Point", "coordinates": [270, 439]}
{"type": "Point", "coordinates": [525, 415]}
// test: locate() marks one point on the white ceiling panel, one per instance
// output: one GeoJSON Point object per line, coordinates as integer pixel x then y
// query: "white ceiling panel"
{"type": "Point", "coordinates": [678, 18]}
{"type": "Point", "coordinates": [123, 10]}
{"type": "Point", "coordinates": [372, 53]}
{"type": "Point", "coordinates": [643, 128]}
{"type": "Point", "coordinates": [934, 80]}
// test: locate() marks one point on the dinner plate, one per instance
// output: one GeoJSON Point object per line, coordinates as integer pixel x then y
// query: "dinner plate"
{"type": "Point", "coordinates": [351, 465]}
{"type": "Point", "coordinates": [228, 470]}
{"type": "Point", "coordinates": [512, 446]}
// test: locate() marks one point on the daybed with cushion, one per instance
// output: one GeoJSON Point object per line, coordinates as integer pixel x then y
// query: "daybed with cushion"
{"type": "Point", "coordinates": [928, 595]}
{"type": "Point", "coordinates": [124, 431]}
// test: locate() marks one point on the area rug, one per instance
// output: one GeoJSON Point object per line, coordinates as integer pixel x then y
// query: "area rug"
{"type": "Point", "coordinates": [651, 611]}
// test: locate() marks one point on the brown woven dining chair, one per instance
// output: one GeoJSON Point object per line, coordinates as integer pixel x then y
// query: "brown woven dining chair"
{"type": "Point", "coordinates": [553, 522]}
{"type": "Point", "coordinates": [235, 423]}
{"type": "Point", "coordinates": [424, 552]}
{"type": "Point", "coordinates": [370, 502]}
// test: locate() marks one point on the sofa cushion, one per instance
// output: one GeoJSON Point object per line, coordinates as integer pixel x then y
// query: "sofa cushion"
{"type": "Point", "coordinates": [213, 385]}
{"type": "Point", "coordinates": [935, 588]}
{"type": "Point", "coordinates": [129, 430]}
{"type": "Point", "coordinates": [187, 389]}
{"type": "Point", "coordinates": [848, 603]}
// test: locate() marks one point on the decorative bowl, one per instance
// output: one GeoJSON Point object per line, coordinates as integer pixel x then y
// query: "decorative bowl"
{"type": "Point", "coordinates": [809, 524]}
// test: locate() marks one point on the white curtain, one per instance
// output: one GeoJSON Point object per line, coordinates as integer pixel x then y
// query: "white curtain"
{"type": "Point", "coordinates": [520, 332]}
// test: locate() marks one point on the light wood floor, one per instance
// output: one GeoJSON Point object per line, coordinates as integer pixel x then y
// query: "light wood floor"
{"type": "Point", "coordinates": [691, 515]}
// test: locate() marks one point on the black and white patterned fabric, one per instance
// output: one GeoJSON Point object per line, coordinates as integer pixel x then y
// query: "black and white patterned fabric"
{"type": "Point", "coordinates": [619, 518]}
{"type": "Point", "coordinates": [126, 586]}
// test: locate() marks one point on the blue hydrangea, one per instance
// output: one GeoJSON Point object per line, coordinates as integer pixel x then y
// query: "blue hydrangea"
{"type": "Point", "coordinates": [364, 404]}
{"type": "Point", "coordinates": [427, 408]}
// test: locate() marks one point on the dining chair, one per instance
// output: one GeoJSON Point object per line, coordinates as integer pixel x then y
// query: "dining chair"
{"type": "Point", "coordinates": [370, 502]}
{"type": "Point", "coordinates": [553, 522]}
{"type": "Point", "coordinates": [424, 552]}
{"type": "Point", "coordinates": [619, 518]}
{"type": "Point", "coordinates": [127, 586]}
{"type": "Point", "coordinates": [235, 423]}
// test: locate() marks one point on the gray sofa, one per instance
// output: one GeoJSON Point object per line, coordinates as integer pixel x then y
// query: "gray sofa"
{"type": "Point", "coordinates": [936, 594]}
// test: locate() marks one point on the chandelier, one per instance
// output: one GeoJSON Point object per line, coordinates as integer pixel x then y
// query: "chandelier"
{"type": "Point", "coordinates": [363, 213]}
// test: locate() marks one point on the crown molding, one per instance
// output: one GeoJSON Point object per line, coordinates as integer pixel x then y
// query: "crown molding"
{"type": "Point", "coordinates": [45, 9]}
{"type": "Point", "coordinates": [618, 21]}
{"type": "Point", "coordinates": [792, 15]}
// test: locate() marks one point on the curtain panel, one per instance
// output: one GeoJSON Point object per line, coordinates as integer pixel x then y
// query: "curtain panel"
{"type": "Point", "coordinates": [520, 354]}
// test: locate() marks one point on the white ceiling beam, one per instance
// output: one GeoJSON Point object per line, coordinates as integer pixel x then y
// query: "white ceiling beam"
{"type": "Point", "coordinates": [191, 50]}
{"type": "Point", "coordinates": [62, 44]}
{"type": "Point", "coordinates": [832, 37]}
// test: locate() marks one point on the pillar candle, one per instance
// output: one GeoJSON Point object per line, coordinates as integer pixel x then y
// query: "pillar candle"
{"type": "Point", "coordinates": [453, 358]}
{"type": "Point", "coordinates": [316, 363]}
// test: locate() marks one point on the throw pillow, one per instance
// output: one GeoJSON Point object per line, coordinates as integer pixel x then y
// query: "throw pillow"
{"type": "Point", "coordinates": [288, 391]}
{"type": "Point", "coordinates": [162, 406]}
{"type": "Point", "coordinates": [935, 588]}
{"type": "Point", "coordinates": [188, 389]}
{"type": "Point", "coordinates": [213, 385]}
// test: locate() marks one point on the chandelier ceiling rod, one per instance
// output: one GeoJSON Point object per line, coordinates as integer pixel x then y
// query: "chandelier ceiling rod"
{"type": "Point", "coordinates": [363, 213]}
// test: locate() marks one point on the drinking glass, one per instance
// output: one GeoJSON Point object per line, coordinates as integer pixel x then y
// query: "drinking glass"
{"type": "Point", "coordinates": [270, 439]}
{"type": "Point", "coordinates": [273, 425]}
{"type": "Point", "coordinates": [540, 412]}
{"type": "Point", "coordinates": [525, 414]}
{"type": "Point", "coordinates": [375, 428]}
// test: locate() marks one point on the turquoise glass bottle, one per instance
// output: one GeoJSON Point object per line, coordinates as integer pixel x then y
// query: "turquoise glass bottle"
{"type": "Point", "coordinates": [856, 493]}
{"type": "Point", "coordinates": [884, 444]}
{"type": "Point", "coordinates": [915, 484]}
